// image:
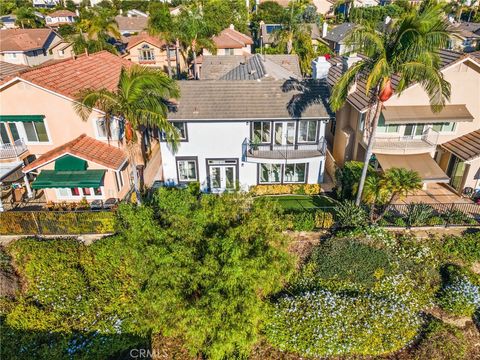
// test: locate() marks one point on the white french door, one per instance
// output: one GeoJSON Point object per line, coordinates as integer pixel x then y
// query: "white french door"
{"type": "Point", "coordinates": [284, 133]}
{"type": "Point", "coordinates": [222, 177]}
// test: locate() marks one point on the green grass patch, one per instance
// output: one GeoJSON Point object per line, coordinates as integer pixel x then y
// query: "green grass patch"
{"type": "Point", "coordinates": [299, 202]}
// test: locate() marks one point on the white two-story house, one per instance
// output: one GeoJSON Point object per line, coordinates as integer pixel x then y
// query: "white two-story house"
{"type": "Point", "coordinates": [239, 133]}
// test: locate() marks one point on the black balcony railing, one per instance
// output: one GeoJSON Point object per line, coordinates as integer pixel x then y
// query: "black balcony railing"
{"type": "Point", "coordinates": [288, 151]}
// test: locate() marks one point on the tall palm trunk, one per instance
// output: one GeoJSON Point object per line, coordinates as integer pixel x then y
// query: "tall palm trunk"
{"type": "Point", "coordinates": [194, 64]}
{"type": "Point", "coordinates": [177, 58]}
{"type": "Point", "coordinates": [169, 63]}
{"type": "Point", "coordinates": [368, 153]}
{"type": "Point", "coordinates": [136, 183]}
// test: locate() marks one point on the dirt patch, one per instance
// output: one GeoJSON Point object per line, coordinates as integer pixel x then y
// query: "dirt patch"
{"type": "Point", "coordinates": [303, 243]}
{"type": "Point", "coordinates": [461, 322]}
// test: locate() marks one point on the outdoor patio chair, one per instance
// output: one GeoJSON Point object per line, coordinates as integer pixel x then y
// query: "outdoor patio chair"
{"type": "Point", "coordinates": [110, 203]}
{"type": "Point", "coordinates": [96, 205]}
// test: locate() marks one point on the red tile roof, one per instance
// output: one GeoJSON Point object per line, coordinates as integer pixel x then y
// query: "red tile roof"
{"type": "Point", "coordinates": [86, 148]}
{"type": "Point", "coordinates": [231, 39]}
{"type": "Point", "coordinates": [144, 37]}
{"type": "Point", "coordinates": [23, 39]}
{"type": "Point", "coordinates": [62, 13]}
{"type": "Point", "coordinates": [68, 77]}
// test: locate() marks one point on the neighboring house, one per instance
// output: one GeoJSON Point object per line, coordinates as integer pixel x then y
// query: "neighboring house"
{"type": "Point", "coordinates": [409, 134]}
{"type": "Point", "coordinates": [249, 67]}
{"type": "Point", "coordinates": [335, 38]}
{"type": "Point", "coordinates": [8, 70]}
{"type": "Point", "coordinates": [61, 17]}
{"type": "Point", "coordinates": [8, 21]}
{"type": "Point", "coordinates": [465, 37]}
{"type": "Point", "coordinates": [45, 3]}
{"type": "Point", "coordinates": [231, 42]}
{"type": "Point", "coordinates": [68, 157]}
{"type": "Point", "coordinates": [267, 34]}
{"type": "Point", "coordinates": [151, 51]}
{"type": "Point", "coordinates": [131, 25]}
{"type": "Point", "coordinates": [31, 46]}
{"type": "Point", "coordinates": [240, 133]}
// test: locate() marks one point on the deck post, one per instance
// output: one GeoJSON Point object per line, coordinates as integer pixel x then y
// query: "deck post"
{"type": "Point", "coordinates": [27, 185]}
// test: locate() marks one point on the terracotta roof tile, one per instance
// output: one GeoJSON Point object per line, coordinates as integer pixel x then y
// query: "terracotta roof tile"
{"type": "Point", "coordinates": [62, 13]}
{"type": "Point", "coordinates": [68, 77]}
{"type": "Point", "coordinates": [23, 39]}
{"type": "Point", "coordinates": [231, 39]}
{"type": "Point", "coordinates": [144, 37]}
{"type": "Point", "coordinates": [86, 148]}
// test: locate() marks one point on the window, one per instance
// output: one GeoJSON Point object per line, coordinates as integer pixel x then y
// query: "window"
{"type": "Point", "coordinates": [62, 192]}
{"type": "Point", "coordinates": [119, 180]}
{"type": "Point", "coordinates": [295, 173]}
{"type": "Point", "coordinates": [101, 128]}
{"type": "Point", "coordinates": [270, 173]}
{"type": "Point", "coordinates": [187, 170]}
{"type": "Point", "coordinates": [4, 134]}
{"type": "Point", "coordinates": [86, 191]}
{"type": "Point", "coordinates": [307, 131]}
{"type": "Point", "coordinates": [171, 53]}
{"type": "Point", "coordinates": [261, 131]}
{"type": "Point", "coordinates": [229, 52]}
{"type": "Point", "coordinates": [97, 191]}
{"type": "Point", "coordinates": [382, 128]}
{"type": "Point", "coordinates": [36, 131]}
{"type": "Point", "coordinates": [361, 121]}
{"type": "Point", "coordinates": [444, 127]}
{"type": "Point", "coordinates": [182, 129]}
{"type": "Point", "coordinates": [76, 191]}
{"type": "Point", "coordinates": [68, 193]}
{"type": "Point", "coordinates": [146, 53]}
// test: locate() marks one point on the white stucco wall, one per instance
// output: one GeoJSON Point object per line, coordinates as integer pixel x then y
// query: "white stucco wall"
{"type": "Point", "coordinates": [223, 140]}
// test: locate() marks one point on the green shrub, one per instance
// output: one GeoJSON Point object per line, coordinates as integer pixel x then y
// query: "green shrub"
{"type": "Point", "coordinates": [323, 219]}
{"type": "Point", "coordinates": [322, 323]}
{"type": "Point", "coordinates": [435, 220]}
{"type": "Point", "coordinates": [345, 264]}
{"type": "Point", "coordinates": [194, 188]}
{"type": "Point", "coordinates": [460, 294]}
{"type": "Point", "coordinates": [57, 223]}
{"type": "Point", "coordinates": [457, 217]}
{"type": "Point", "coordinates": [303, 221]}
{"type": "Point", "coordinates": [465, 248]}
{"type": "Point", "coordinates": [418, 214]}
{"type": "Point", "coordinates": [400, 222]}
{"type": "Point", "coordinates": [441, 341]}
{"type": "Point", "coordinates": [350, 215]}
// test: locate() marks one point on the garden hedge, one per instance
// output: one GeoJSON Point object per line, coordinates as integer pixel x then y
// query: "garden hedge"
{"type": "Point", "coordinates": [56, 223]}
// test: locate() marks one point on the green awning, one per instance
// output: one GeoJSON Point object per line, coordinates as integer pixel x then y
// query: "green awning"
{"type": "Point", "coordinates": [22, 118]}
{"type": "Point", "coordinates": [70, 163]}
{"type": "Point", "coordinates": [68, 179]}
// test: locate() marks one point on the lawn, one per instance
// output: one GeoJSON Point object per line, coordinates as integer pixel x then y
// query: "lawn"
{"type": "Point", "coordinates": [298, 202]}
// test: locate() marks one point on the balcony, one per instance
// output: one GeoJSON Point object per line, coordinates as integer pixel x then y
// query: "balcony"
{"type": "Point", "coordinates": [426, 142]}
{"type": "Point", "coordinates": [12, 151]}
{"type": "Point", "coordinates": [283, 152]}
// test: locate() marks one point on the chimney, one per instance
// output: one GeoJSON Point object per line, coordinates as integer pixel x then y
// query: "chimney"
{"type": "Point", "coordinates": [324, 29]}
{"type": "Point", "coordinates": [320, 68]}
{"type": "Point", "coordinates": [232, 27]}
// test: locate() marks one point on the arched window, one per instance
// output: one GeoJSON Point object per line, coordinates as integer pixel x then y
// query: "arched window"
{"type": "Point", "coordinates": [146, 53]}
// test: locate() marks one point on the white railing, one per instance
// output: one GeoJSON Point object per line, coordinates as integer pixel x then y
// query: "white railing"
{"type": "Point", "coordinates": [273, 151]}
{"type": "Point", "coordinates": [8, 151]}
{"type": "Point", "coordinates": [427, 140]}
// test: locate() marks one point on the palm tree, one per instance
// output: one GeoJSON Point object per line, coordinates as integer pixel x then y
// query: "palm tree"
{"type": "Point", "coordinates": [374, 193]}
{"type": "Point", "coordinates": [100, 24]}
{"type": "Point", "coordinates": [194, 32]}
{"type": "Point", "coordinates": [140, 100]}
{"type": "Point", "coordinates": [398, 183]}
{"type": "Point", "coordinates": [160, 24]}
{"type": "Point", "coordinates": [406, 48]}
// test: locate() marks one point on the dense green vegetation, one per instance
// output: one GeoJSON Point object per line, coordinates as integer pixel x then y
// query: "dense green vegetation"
{"type": "Point", "coordinates": [185, 267]}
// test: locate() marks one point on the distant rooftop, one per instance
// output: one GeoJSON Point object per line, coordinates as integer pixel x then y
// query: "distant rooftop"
{"type": "Point", "coordinates": [23, 39]}
{"type": "Point", "coordinates": [131, 23]}
{"type": "Point", "coordinates": [215, 67]}
{"type": "Point", "coordinates": [7, 69]}
{"type": "Point", "coordinates": [258, 67]}
{"type": "Point", "coordinates": [339, 32]}
{"type": "Point", "coordinates": [230, 38]}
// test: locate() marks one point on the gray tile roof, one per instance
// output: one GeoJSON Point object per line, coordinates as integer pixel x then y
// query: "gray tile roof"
{"type": "Point", "coordinates": [358, 98]}
{"type": "Point", "coordinates": [258, 67]}
{"type": "Point", "coordinates": [7, 69]}
{"type": "Point", "coordinates": [131, 23]}
{"type": "Point", "coordinates": [251, 99]}
{"type": "Point", "coordinates": [339, 32]}
{"type": "Point", "coordinates": [215, 67]}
